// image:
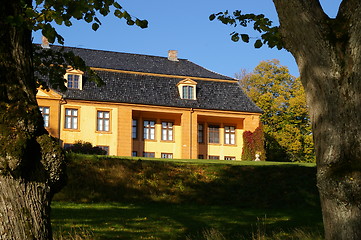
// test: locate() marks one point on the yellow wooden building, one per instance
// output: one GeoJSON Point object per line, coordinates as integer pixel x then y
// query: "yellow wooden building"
{"type": "Point", "coordinates": [161, 107]}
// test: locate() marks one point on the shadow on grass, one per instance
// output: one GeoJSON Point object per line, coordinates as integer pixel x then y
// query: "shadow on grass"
{"type": "Point", "coordinates": [165, 200]}
{"type": "Point", "coordinates": [169, 221]}
{"type": "Point", "coordinates": [114, 180]}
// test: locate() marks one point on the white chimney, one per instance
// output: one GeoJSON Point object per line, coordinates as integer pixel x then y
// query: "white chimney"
{"type": "Point", "coordinates": [173, 55]}
{"type": "Point", "coordinates": [45, 42]}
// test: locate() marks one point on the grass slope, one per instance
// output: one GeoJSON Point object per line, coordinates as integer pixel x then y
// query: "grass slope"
{"type": "Point", "coordinates": [179, 221]}
{"type": "Point", "coordinates": [99, 179]}
{"type": "Point", "coordinates": [111, 198]}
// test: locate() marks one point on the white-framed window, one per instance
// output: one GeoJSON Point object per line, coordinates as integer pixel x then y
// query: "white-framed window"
{"type": "Point", "coordinates": [188, 92]}
{"type": "Point", "coordinates": [167, 155]}
{"type": "Point", "coordinates": [229, 135]}
{"type": "Point", "coordinates": [213, 157]}
{"type": "Point", "coordinates": [103, 121]}
{"type": "Point", "coordinates": [74, 79]}
{"type": "Point", "coordinates": [187, 89]}
{"type": "Point", "coordinates": [71, 118]}
{"type": "Point", "coordinates": [167, 131]}
{"type": "Point", "coordinates": [229, 158]}
{"type": "Point", "coordinates": [149, 130]}
{"type": "Point", "coordinates": [45, 111]}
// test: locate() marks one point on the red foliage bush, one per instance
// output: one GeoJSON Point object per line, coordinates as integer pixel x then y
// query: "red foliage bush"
{"type": "Point", "coordinates": [253, 142]}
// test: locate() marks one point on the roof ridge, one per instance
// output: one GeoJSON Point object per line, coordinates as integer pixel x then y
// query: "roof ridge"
{"type": "Point", "coordinates": [142, 63]}
{"type": "Point", "coordinates": [212, 71]}
{"type": "Point", "coordinates": [109, 51]}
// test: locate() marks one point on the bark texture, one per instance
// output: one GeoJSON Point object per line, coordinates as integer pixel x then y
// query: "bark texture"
{"type": "Point", "coordinates": [31, 163]}
{"type": "Point", "coordinates": [328, 53]}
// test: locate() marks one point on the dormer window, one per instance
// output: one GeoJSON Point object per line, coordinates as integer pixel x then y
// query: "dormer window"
{"type": "Point", "coordinates": [74, 79]}
{"type": "Point", "coordinates": [188, 92]}
{"type": "Point", "coordinates": [187, 89]}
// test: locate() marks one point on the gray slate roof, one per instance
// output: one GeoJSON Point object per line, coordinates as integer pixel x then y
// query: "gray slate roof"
{"type": "Point", "coordinates": [155, 90]}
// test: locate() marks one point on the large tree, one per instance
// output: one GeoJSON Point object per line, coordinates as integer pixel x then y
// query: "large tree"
{"type": "Point", "coordinates": [328, 53]}
{"type": "Point", "coordinates": [31, 162]}
{"type": "Point", "coordinates": [286, 124]}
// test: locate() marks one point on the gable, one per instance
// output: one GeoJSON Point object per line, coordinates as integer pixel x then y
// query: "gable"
{"type": "Point", "coordinates": [187, 81]}
{"type": "Point", "coordinates": [47, 94]}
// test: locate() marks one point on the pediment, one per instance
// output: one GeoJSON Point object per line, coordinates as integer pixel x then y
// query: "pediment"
{"type": "Point", "coordinates": [47, 94]}
{"type": "Point", "coordinates": [187, 81]}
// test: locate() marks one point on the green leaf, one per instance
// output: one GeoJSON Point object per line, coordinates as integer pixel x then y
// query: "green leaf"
{"type": "Point", "coordinates": [95, 26]}
{"type": "Point", "coordinates": [58, 20]}
{"type": "Point", "coordinates": [245, 38]}
{"type": "Point", "coordinates": [235, 37]}
{"type": "Point", "coordinates": [130, 22]}
{"type": "Point", "coordinates": [97, 20]}
{"type": "Point", "coordinates": [49, 32]}
{"type": "Point", "coordinates": [116, 5]}
{"type": "Point", "coordinates": [88, 17]}
{"type": "Point", "coordinates": [118, 13]}
{"type": "Point", "coordinates": [258, 44]}
{"type": "Point", "coordinates": [141, 23]}
{"type": "Point", "coordinates": [67, 23]}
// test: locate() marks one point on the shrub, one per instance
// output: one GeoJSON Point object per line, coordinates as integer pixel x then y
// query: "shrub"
{"type": "Point", "coordinates": [85, 148]}
{"type": "Point", "coordinates": [253, 143]}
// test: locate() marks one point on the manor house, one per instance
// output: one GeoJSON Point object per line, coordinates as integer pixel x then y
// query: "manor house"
{"type": "Point", "coordinates": [162, 107]}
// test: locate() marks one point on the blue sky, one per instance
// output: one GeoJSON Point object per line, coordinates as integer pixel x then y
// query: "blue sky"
{"type": "Point", "coordinates": [184, 26]}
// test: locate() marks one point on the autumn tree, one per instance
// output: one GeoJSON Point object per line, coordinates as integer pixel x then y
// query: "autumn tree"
{"type": "Point", "coordinates": [31, 162]}
{"type": "Point", "coordinates": [327, 51]}
{"type": "Point", "coordinates": [285, 120]}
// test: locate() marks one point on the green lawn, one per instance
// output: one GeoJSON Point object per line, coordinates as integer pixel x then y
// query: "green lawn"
{"type": "Point", "coordinates": [174, 221]}
{"type": "Point", "coordinates": [192, 161]}
{"type": "Point", "coordinates": [124, 198]}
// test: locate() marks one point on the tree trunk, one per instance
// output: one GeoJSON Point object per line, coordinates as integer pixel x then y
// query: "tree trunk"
{"type": "Point", "coordinates": [31, 162]}
{"type": "Point", "coordinates": [328, 55]}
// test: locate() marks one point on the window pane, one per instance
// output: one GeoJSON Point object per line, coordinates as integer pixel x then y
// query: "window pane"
{"type": "Point", "coordinates": [75, 123]}
{"type": "Point", "coordinates": [152, 134]}
{"type": "Point", "coordinates": [134, 129]}
{"type": "Point", "coordinates": [46, 120]}
{"type": "Point", "coordinates": [185, 93]}
{"type": "Point", "coordinates": [190, 92]}
{"type": "Point", "coordinates": [170, 134]}
{"type": "Point", "coordinates": [106, 125]}
{"type": "Point", "coordinates": [200, 133]}
{"type": "Point", "coordinates": [213, 134]}
{"type": "Point", "coordinates": [100, 125]}
{"type": "Point", "coordinates": [164, 134]}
